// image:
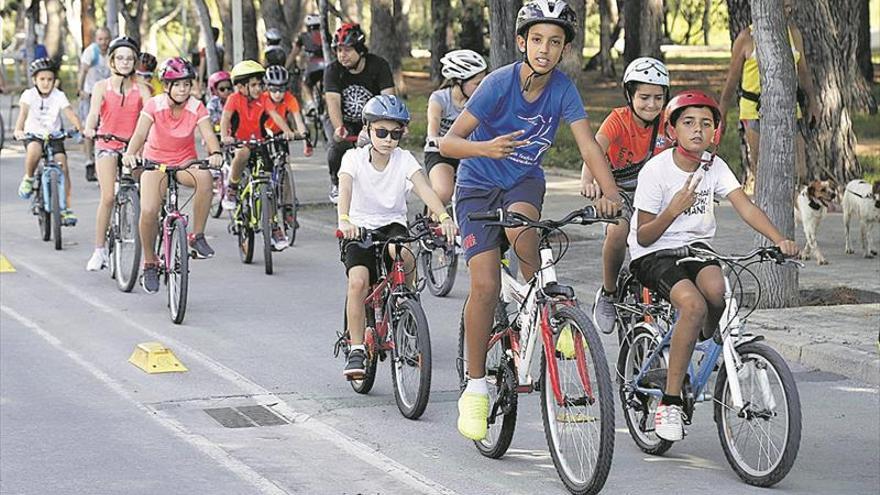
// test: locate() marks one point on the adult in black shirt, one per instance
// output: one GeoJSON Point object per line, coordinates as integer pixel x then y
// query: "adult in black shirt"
{"type": "Point", "coordinates": [349, 82]}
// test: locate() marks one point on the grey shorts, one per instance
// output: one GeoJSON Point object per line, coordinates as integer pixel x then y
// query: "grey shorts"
{"type": "Point", "coordinates": [99, 154]}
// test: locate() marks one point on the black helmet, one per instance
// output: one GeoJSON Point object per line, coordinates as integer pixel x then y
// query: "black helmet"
{"type": "Point", "coordinates": [124, 41]}
{"type": "Point", "coordinates": [41, 64]}
{"type": "Point", "coordinates": [148, 62]}
{"type": "Point", "coordinates": [547, 11]}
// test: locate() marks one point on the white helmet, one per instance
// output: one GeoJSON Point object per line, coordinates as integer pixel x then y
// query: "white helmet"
{"type": "Point", "coordinates": [646, 70]}
{"type": "Point", "coordinates": [312, 20]}
{"type": "Point", "coordinates": [462, 64]}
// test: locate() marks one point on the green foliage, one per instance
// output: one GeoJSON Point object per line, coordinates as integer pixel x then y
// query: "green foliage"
{"type": "Point", "coordinates": [870, 166]}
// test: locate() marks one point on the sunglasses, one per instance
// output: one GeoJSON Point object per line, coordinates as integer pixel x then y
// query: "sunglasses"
{"type": "Point", "coordinates": [395, 134]}
{"type": "Point", "coordinates": [224, 88]}
{"type": "Point", "coordinates": [277, 89]}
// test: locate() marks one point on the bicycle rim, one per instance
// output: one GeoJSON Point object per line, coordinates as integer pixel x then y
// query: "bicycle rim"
{"type": "Point", "coordinates": [127, 241]}
{"type": "Point", "coordinates": [267, 213]}
{"type": "Point", "coordinates": [56, 209]}
{"type": "Point", "coordinates": [580, 431]}
{"type": "Point", "coordinates": [411, 363]}
{"type": "Point", "coordinates": [639, 408]}
{"type": "Point", "coordinates": [762, 445]}
{"type": "Point", "coordinates": [440, 266]}
{"type": "Point", "coordinates": [178, 274]}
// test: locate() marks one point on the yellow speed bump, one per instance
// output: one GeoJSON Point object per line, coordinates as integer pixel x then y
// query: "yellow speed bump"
{"type": "Point", "coordinates": [5, 265]}
{"type": "Point", "coordinates": [153, 357]}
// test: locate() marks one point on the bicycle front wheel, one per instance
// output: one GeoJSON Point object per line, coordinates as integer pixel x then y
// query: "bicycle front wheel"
{"type": "Point", "coordinates": [55, 202]}
{"type": "Point", "coordinates": [126, 256]}
{"type": "Point", "coordinates": [177, 277]}
{"type": "Point", "coordinates": [761, 442]}
{"type": "Point", "coordinates": [501, 380]}
{"type": "Point", "coordinates": [439, 266]}
{"type": "Point", "coordinates": [411, 358]}
{"type": "Point", "coordinates": [580, 429]}
{"type": "Point", "coordinates": [267, 213]}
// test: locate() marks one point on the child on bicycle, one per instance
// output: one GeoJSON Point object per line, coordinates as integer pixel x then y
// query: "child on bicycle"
{"type": "Point", "coordinates": [39, 114]}
{"type": "Point", "coordinates": [166, 134]}
{"type": "Point", "coordinates": [674, 208]}
{"type": "Point", "coordinates": [463, 71]}
{"type": "Point", "coordinates": [501, 136]}
{"type": "Point", "coordinates": [116, 103]}
{"type": "Point", "coordinates": [146, 72]}
{"type": "Point", "coordinates": [630, 136]}
{"type": "Point", "coordinates": [220, 87]}
{"type": "Point", "coordinates": [244, 117]}
{"type": "Point", "coordinates": [373, 184]}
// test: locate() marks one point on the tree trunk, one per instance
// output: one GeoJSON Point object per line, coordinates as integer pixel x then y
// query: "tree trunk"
{"type": "Point", "coordinates": [863, 53]}
{"type": "Point", "coordinates": [830, 37]}
{"type": "Point", "coordinates": [385, 42]}
{"type": "Point", "coordinates": [643, 29]}
{"type": "Point", "coordinates": [55, 29]}
{"type": "Point", "coordinates": [707, 21]}
{"type": "Point", "coordinates": [571, 63]}
{"type": "Point", "coordinates": [608, 19]}
{"type": "Point", "coordinates": [739, 16]}
{"type": "Point", "coordinates": [324, 8]}
{"type": "Point", "coordinates": [293, 12]}
{"type": "Point", "coordinates": [33, 18]}
{"type": "Point", "coordinates": [273, 17]}
{"type": "Point", "coordinates": [88, 22]}
{"type": "Point", "coordinates": [776, 182]}
{"type": "Point", "coordinates": [212, 58]}
{"type": "Point", "coordinates": [134, 22]}
{"type": "Point", "coordinates": [401, 20]}
{"type": "Point", "coordinates": [472, 35]}
{"type": "Point", "coordinates": [225, 9]}
{"type": "Point", "coordinates": [439, 29]}
{"type": "Point", "coordinates": [502, 25]}
{"type": "Point", "coordinates": [111, 9]}
{"type": "Point", "coordinates": [249, 30]}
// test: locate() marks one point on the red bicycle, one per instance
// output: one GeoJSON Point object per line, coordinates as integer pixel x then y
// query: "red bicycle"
{"type": "Point", "coordinates": [396, 325]}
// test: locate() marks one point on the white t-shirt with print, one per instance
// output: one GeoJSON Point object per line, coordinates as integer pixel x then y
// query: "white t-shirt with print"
{"type": "Point", "coordinates": [378, 198]}
{"type": "Point", "coordinates": [44, 114]}
{"type": "Point", "coordinates": [659, 180]}
{"type": "Point", "coordinates": [98, 68]}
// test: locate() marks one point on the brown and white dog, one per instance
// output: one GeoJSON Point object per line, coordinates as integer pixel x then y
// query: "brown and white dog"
{"type": "Point", "coordinates": [811, 207]}
{"type": "Point", "coordinates": [862, 200]}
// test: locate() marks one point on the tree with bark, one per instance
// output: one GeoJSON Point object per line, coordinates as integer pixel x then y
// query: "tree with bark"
{"type": "Point", "coordinates": [863, 54]}
{"type": "Point", "coordinates": [249, 30]}
{"type": "Point", "coordinates": [473, 22]}
{"type": "Point", "coordinates": [502, 31]}
{"type": "Point", "coordinates": [609, 31]}
{"type": "Point", "coordinates": [573, 60]}
{"type": "Point", "coordinates": [776, 182]}
{"type": "Point", "coordinates": [134, 20]}
{"type": "Point", "coordinates": [56, 29]}
{"type": "Point", "coordinates": [386, 41]}
{"type": "Point", "coordinates": [212, 57]}
{"type": "Point", "coordinates": [643, 29]}
{"type": "Point", "coordinates": [440, 17]}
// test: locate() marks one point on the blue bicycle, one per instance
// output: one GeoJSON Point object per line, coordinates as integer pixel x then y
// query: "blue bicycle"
{"type": "Point", "coordinates": [49, 198]}
{"type": "Point", "coordinates": [757, 409]}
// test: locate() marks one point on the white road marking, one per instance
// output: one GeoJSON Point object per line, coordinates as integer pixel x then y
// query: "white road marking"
{"type": "Point", "coordinates": [361, 451]}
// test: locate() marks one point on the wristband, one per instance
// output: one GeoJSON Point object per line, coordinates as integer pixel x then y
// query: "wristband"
{"type": "Point", "coordinates": [443, 217]}
{"type": "Point", "coordinates": [215, 153]}
{"type": "Point", "coordinates": [344, 217]}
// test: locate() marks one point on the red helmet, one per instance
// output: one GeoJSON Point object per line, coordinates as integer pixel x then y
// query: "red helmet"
{"type": "Point", "coordinates": [216, 78]}
{"type": "Point", "coordinates": [350, 34]}
{"type": "Point", "coordinates": [691, 98]}
{"type": "Point", "coordinates": [176, 69]}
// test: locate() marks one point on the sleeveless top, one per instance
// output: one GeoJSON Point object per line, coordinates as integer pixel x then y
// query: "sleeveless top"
{"type": "Point", "coordinates": [449, 112]}
{"type": "Point", "coordinates": [751, 81]}
{"type": "Point", "coordinates": [118, 115]}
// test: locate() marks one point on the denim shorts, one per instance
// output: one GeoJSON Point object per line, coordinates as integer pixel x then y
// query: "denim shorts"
{"type": "Point", "coordinates": [476, 236]}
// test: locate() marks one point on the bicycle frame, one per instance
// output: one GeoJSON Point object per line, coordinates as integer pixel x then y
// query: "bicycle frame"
{"type": "Point", "coordinates": [259, 177]}
{"type": "Point", "coordinates": [170, 213]}
{"type": "Point", "coordinates": [49, 170]}
{"type": "Point", "coordinates": [389, 284]}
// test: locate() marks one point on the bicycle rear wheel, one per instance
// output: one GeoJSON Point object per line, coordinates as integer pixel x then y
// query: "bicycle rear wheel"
{"type": "Point", "coordinates": [177, 277]}
{"type": "Point", "coordinates": [580, 431]}
{"type": "Point", "coordinates": [267, 213]}
{"type": "Point", "coordinates": [502, 381]}
{"type": "Point", "coordinates": [760, 443]}
{"type": "Point", "coordinates": [55, 202]}
{"type": "Point", "coordinates": [639, 408]}
{"type": "Point", "coordinates": [411, 358]}
{"type": "Point", "coordinates": [126, 255]}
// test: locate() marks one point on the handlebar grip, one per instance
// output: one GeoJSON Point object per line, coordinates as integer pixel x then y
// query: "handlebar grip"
{"type": "Point", "coordinates": [492, 216]}
{"type": "Point", "coordinates": [679, 252]}
{"type": "Point", "coordinates": [339, 234]}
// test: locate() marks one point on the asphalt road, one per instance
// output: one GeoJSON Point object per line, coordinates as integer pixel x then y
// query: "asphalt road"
{"type": "Point", "coordinates": [77, 418]}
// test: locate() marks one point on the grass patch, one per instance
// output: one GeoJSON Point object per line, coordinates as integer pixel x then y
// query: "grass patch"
{"type": "Point", "coordinates": [870, 166]}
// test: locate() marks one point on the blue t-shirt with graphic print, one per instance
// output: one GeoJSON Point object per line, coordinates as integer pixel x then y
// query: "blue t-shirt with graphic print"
{"type": "Point", "coordinates": [499, 105]}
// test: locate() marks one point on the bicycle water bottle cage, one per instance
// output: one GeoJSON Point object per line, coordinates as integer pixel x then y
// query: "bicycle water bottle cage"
{"type": "Point", "coordinates": [554, 289]}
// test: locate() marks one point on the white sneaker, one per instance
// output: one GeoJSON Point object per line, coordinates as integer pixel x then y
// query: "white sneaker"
{"type": "Point", "coordinates": [668, 424]}
{"type": "Point", "coordinates": [604, 313]}
{"type": "Point", "coordinates": [98, 261]}
{"type": "Point", "coordinates": [334, 193]}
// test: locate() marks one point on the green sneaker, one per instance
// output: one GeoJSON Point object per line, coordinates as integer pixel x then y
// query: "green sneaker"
{"type": "Point", "coordinates": [26, 188]}
{"type": "Point", "coordinates": [473, 415]}
{"type": "Point", "coordinates": [68, 219]}
{"type": "Point", "coordinates": [565, 343]}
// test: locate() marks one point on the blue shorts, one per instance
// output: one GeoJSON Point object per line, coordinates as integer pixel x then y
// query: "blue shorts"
{"type": "Point", "coordinates": [476, 236]}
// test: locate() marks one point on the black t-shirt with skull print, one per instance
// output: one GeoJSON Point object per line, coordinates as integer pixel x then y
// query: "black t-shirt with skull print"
{"type": "Point", "coordinates": [357, 89]}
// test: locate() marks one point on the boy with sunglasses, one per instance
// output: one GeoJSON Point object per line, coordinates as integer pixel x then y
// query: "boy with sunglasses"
{"type": "Point", "coordinates": [373, 184]}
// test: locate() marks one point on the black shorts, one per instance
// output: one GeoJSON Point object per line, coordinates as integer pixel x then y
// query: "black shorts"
{"type": "Point", "coordinates": [312, 78]}
{"type": "Point", "coordinates": [433, 158]}
{"type": "Point", "coordinates": [354, 255]}
{"type": "Point", "coordinates": [56, 145]}
{"type": "Point", "coordinates": [660, 274]}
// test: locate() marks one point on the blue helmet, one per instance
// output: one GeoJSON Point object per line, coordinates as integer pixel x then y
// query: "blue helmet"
{"type": "Point", "coordinates": [386, 107]}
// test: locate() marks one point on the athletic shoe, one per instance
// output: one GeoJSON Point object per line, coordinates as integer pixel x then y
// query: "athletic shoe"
{"type": "Point", "coordinates": [26, 187]}
{"type": "Point", "coordinates": [68, 219]}
{"type": "Point", "coordinates": [668, 424]}
{"type": "Point", "coordinates": [604, 313]}
{"type": "Point", "coordinates": [279, 240]}
{"type": "Point", "coordinates": [355, 365]}
{"type": "Point", "coordinates": [334, 193]}
{"type": "Point", "coordinates": [90, 173]}
{"type": "Point", "coordinates": [473, 415]}
{"type": "Point", "coordinates": [98, 261]}
{"type": "Point", "coordinates": [231, 199]}
{"type": "Point", "coordinates": [150, 278]}
{"type": "Point", "coordinates": [199, 246]}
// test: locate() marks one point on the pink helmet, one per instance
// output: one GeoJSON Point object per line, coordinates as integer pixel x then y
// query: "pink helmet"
{"type": "Point", "coordinates": [176, 69]}
{"type": "Point", "coordinates": [216, 78]}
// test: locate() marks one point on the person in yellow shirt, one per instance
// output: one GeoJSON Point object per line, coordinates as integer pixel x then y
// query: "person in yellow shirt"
{"type": "Point", "coordinates": [743, 77]}
{"type": "Point", "coordinates": [146, 71]}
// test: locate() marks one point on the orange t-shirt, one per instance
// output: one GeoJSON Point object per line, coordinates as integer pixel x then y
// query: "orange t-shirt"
{"type": "Point", "coordinates": [629, 141]}
{"type": "Point", "coordinates": [287, 106]}
{"type": "Point", "coordinates": [248, 117]}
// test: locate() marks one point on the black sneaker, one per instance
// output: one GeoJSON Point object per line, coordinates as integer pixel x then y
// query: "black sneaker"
{"type": "Point", "coordinates": [354, 367]}
{"type": "Point", "coordinates": [199, 247]}
{"type": "Point", "coordinates": [150, 278]}
{"type": "Point", "coordinates": [90, 173]}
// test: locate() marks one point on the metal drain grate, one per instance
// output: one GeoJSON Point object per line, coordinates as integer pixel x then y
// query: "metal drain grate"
{"type": "Point", "coordinates": [246, 416]}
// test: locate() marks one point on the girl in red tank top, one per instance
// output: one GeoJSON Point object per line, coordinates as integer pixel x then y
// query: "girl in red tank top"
{"type": "Point", "coordinates": [116, 103]}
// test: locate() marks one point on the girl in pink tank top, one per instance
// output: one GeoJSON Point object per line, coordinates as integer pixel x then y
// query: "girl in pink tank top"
{"type": "Point", "coordinates": [116, 102]}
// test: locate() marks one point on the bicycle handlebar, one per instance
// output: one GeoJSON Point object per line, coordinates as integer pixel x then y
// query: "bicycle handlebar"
{"type": "Point", "coordinates": [368, 238]}
{"type": "Point", "coordinates": [51, 136]}
{"type": "Point", "coordinates": [511, 219]}
{"type": "Point", "coordinates": [255, 143]}
{"type": "Point", "coordinates": [111, 137]}
{"type": "Point", "coordinates": [146, 164]}
{"type": "Point", "coordinates": [694, 253]}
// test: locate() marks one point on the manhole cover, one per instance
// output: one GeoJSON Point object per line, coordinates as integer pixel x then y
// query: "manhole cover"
{"type": "Point", "coordinates": [246, 416]}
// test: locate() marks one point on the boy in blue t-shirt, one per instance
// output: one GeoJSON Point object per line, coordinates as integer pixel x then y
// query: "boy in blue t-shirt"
{"type": "Point", "coordinates": [501, 137]}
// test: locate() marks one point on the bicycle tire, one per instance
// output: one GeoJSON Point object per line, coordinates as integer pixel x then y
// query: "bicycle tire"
{"type": "Point", "coordinates": [267, 212]}
{"type": "Point", "coordinates": [365, 384]}
{"type": "Point", "coordinates": [55, 202]}
{"type": "Point", "coordinates": [570, 365]}
{"type": "Point", "coordinates": [44, 219]}
{"type": "Point", "coordinates": [218, 193]}
{"type": "Point", "coordinates": [440, 286]}
{"type": "Point", "coordinates": [501, 378]}
{"type": "Point", "coordinates": [288, 212]}
{"type": "Point", "coordinates": [126, 242]}
{"type": "Point", "coordinates": [244, 234]}
{"type": "Point", "coordinates": [635, 347]}
{"type": "Point", "coordinates": [788, 454]}
{"type": "Point", "coordinates": [177, 278]}
{"type": "Point", "coordinates": [406, 355]}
